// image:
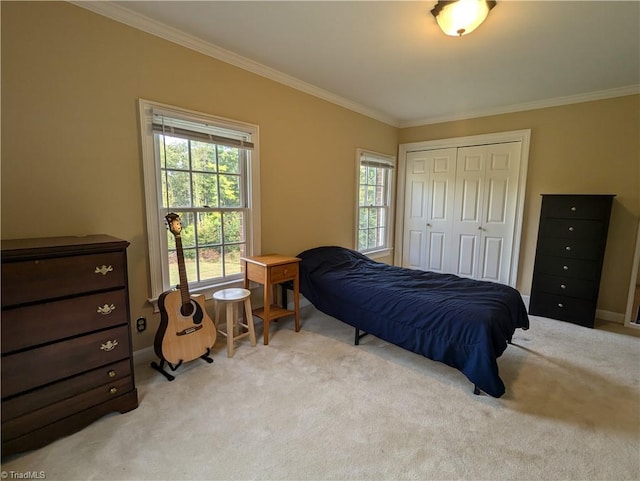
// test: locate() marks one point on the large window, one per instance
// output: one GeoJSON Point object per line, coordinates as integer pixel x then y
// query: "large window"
{"type": "Point", "coordinates": [375, 194]}
{"type": "Point", "coordinates": [204, 169]}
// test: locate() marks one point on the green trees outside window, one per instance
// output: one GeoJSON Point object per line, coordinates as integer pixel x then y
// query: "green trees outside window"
{"type": "Point", "coordinates": [204, 183]}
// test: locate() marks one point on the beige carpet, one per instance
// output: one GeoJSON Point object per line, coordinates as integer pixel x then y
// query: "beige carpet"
{"type": "Point", "coordinates": [311, 406]}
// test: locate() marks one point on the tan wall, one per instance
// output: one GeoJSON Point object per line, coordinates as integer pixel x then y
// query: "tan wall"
{"type": "Point", "coordinates": [591, 147]}
{"type": "Point", "coordinates": [71, 160]}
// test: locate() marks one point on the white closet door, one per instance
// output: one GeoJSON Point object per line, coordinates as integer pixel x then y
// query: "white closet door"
{"type": "Point", "coordinates": [428, 220]}
{"type": "Point", "coordinates": [485, 210]}
{"type": "Point", "coordinates": [467, 228]}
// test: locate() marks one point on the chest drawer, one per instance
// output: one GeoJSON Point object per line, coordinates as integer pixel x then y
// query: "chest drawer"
{"type": "Point", "coordinates": [284, 272]}
{"type": "Point", "coordinates": [41, 397]}
{"type": "Point", "coordinates": [577, 206]}
{"type": "Point", "coordinates": [51, 278]}
{"type": "Point", "coordinates": [565, 286]}
{"type": "Point", "coordinates": [571, 248]}
{"type": "Point", "coordinates": [573, 229]}
{"type": "Point", "coordinates": [574, 268]}
{"type": "Point", "coordinates": [38, 324]}
{"type": "Point", "coordinates": [60, 410]}
{"type": "Point", "coordinates": [36, 367]}
{"type": "Point", "coordinates": [577, 311]}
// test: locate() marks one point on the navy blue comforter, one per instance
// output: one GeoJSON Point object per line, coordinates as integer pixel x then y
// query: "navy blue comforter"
{"type": "Point", "coordinates": [461, 322]}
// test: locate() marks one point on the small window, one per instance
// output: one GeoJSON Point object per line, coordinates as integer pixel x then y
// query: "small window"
{"type": "Point", "coordinates": [204, 169]}
{"type": "Point", "coordinates": [375, 194]}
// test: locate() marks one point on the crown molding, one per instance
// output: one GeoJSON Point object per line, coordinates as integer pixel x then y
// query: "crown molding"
{"type": "Point", "coordinates": [141, 22]}
{"type": "Point", "coordinates": [539, 104]}
{"type": "Point", "coordinates": [159, 29]}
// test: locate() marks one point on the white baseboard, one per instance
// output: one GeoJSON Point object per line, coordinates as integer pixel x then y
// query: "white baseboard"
{"type": "Point", "coordinates": [616, 317]}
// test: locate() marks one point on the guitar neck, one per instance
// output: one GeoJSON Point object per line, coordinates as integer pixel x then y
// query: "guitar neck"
{"type": "Point", "coordinates": [182, 271]}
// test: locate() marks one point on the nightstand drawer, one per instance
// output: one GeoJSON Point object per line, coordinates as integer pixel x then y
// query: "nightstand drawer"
{"type": "Point", "coordinates": [577, 311]}
{"type": "Point", "coordinates": [571, 248]}
{"type": "Point", "coordinates": [37, 280]}
{"type": "Point", "coordinates": [573, 229]}
{"type": "Point", "coordinates": [37, 367]}
{"type": "Point", "coordinates": [41, 323]}
{"type": "Point", "coordinates": [565, 286]}
{"type": "Point", "coordinates": [284, 272]}
{"type": "Point", "coordinates": [575, 268]}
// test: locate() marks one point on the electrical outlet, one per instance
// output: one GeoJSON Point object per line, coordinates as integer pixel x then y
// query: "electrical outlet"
{"type": "Point", "coordinates": [141, 324]}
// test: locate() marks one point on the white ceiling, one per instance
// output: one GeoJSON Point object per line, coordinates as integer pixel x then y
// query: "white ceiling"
{"type": "Point", "coordinates": [390, 60]}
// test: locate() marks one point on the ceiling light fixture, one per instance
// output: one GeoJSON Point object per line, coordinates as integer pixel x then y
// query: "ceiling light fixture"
{"type": "Point", "coordinates": [460, 17]}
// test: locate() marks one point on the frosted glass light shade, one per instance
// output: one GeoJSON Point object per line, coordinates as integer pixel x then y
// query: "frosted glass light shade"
{"type": "Point", "coordinates": [461, 17]}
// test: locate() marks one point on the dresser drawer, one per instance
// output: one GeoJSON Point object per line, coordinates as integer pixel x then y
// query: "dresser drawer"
{"type": "Point", "coordinates": [284, 272]}
{"type": "Point", "coordinates": [564, 267]}
{"type": "Point", "coordinates": [573, 229]}
{"type": "Point", "coordinates": [571, 248]}
{"type": "Point", "coordinates": [37, 324]}
{"type": "Point", "coordinates": [54, 412]}
{"type": "Point", "coordinates": [41, 279]}
{"type": "Point", "coordinates": [577, 206]}
{"type": "Point", "coordinates": [37, 367]}
{"type": "Point", "coordinates": [53, 393]}
{"type": "Point", "coordinates": [577, 311]}
{"type": "Point", "coordinates": [565, 286]}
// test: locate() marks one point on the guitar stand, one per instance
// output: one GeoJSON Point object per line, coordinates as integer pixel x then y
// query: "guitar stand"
{"type": "Point", "coordinates": [160, 367]}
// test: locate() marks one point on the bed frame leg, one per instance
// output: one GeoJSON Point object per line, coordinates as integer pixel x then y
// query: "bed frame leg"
{"type": "Point", "coordinates": [476, 391]}
{"type": "Point", "coordinates": [359, 336]}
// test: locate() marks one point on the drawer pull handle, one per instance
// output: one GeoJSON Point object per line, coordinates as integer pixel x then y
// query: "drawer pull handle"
{"type": "Point", "coordinates": [560, 304]}
{"type": "Point", "coordinates": [566, 268]}
{"type": "Point", "coordinates": [113, 390]}
{"type": "Point", "coordinates": [573, 209]}
{"type": "Point", "coordinates": [106, 309]}
{"type": "Point", "coordinates": [571, 229]}
{"type": "Point", "coordinates": [109, 345]}
{"type": "Point", "coordinates": [563, 286]}
{"type": "Point", "coordinates": [112, 373]}
{"type": "Point", "coordinates": [568, 248]}
{"type": "Point", "coordinates": [103, 270]}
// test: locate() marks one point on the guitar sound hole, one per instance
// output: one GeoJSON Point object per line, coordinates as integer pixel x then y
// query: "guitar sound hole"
{"type": "Point", "coordinates": [187, 309]}
{"type": "Point", "coordinates": [192, 310]}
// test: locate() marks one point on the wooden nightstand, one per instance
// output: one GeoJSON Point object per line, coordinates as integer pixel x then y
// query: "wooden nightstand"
{"type": "Point", "coordinates": [271, 270]}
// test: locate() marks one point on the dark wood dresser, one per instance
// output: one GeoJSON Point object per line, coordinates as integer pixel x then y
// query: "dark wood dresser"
{"type": "Point", "coordinates": [66, 340]}
{"type": "Point", "coordinates": [571, 241]}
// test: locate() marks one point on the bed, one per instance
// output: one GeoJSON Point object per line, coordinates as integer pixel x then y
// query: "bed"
{"type": "Point", "coordinates": [461, 322]}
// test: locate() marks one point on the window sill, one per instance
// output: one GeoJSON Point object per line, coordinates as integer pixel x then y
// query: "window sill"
{"type": "Point", "coordinates": [207, 292]}
{"type": "Point", "coordinates": [377, 254]}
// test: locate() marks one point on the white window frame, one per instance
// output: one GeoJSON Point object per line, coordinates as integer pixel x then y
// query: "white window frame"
{"type": "Point", "coordinates": [363, 155]}
{"type": "Point", "coordinates": [156, 225]}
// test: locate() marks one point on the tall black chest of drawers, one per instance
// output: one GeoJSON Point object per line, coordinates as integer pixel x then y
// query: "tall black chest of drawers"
{"type": "Point", "coordinates": [571, 241]}
{"type": "Point", "coordinates": [66, 342]}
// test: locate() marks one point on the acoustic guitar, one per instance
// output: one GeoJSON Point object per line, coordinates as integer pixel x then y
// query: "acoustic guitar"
{"type": "Point", "coordinates": [186, 332]}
